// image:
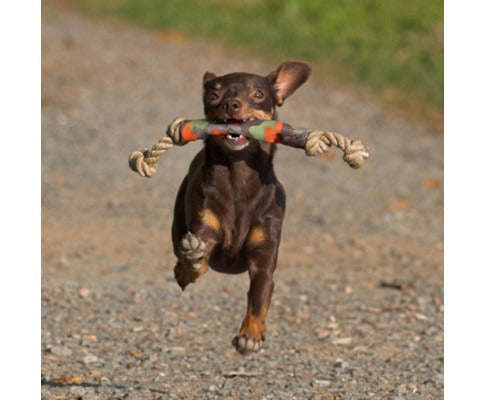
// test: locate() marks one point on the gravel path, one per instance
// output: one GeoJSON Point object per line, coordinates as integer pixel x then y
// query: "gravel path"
{"type": "Point", "coordinates": [358, 306]}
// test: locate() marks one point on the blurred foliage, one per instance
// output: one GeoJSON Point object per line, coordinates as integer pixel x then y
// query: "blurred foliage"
{"type": "Point", "coordinates": [393, 47]}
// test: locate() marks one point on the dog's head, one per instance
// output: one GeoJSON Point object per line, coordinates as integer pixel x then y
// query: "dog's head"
{"type": "Point", "coordinates": [241, 96]}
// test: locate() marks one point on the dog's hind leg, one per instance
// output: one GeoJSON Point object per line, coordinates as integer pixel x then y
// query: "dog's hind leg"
{"type": "Point", "coordinates": [261, 256]}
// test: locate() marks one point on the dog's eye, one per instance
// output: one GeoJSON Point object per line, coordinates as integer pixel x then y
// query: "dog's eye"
{"type": "Point", "coordinates": [213, 97]}
{"type": "Point", "coordinates": [258, 95]}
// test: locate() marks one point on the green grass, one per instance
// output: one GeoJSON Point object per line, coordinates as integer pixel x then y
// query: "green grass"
{"type": "Point", "coordinates": [393, 47]}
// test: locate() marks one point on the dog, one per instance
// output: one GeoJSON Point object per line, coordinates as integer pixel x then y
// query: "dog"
{"type": "Point", "coordinates": [229, 209]}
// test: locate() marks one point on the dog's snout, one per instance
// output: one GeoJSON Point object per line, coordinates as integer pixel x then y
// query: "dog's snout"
{"type": "Point", "coordinates": [232, 105]}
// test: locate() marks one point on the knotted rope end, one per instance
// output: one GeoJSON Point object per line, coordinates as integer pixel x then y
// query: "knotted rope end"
{"type": "Point", "coordinates": [319, 142]}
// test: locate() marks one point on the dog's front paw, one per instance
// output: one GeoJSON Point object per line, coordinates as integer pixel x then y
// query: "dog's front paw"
{"type": "Point", "coordinates": [191, 263]}
{"type": "Point", "coordinates": [245, 344]}
{"type": "Point", "coordinates": [192, 247]}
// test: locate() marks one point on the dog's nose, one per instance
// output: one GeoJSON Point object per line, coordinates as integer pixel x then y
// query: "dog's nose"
{"type": "Point", "coordinates": [233, 105]}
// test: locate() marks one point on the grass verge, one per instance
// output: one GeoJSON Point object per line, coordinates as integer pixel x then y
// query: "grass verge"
{"type": "Point", "coordinates": [392, 47]}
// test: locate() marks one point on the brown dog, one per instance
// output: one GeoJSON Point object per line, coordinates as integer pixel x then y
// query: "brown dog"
{"type": "Point", "coordinates": [230, 207]}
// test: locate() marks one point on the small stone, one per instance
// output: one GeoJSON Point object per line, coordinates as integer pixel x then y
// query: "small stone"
{"type": "Point", "coordinates": [321, 383]}
{"type": "Point", "coordinates": [339, 363]}
{"type": "Point", "coordinates": [77, 391]}
{"type": "Point", "coordinates": [342, 341]}
{"type": "Point", "coordinates": [89, 359]}
{"type": "Point", "coordinates": [177, 349]}
{"type": "Point", "coordinates": [90, 396]}
{"type": "Point", "coordinates": [105, 381]}
{"type": "Point", "coordinates": [421, 317]}
{"type": "Point", "coordinates": [84, 292]}
{"type": "Point", "coordinates": [61, 351]}
{"type": "Point", "coordinates": [322, 335]}
{"type": "Point", "coordinates": [361, 349]}
{"type": "Point", "coordinates": [303, 297]}
{"type": "Point", "coordinates": [136, 353]}
{"type": "Point", "coordinates": [89, 338]}
{"type": "Point", "coordinates": [402, 388]}
{"type": "Point", "coordinates": [438, 378]}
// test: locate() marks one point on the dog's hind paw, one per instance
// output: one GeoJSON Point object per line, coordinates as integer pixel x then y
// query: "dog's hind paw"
{"type": "Point", "coordinates": [244, 344]}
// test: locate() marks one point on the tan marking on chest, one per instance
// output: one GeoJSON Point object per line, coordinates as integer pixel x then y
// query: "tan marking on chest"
{"type": "Point", "coordinates": [256, 236]}
{"type": "Point", "coordinates": [210, 219]}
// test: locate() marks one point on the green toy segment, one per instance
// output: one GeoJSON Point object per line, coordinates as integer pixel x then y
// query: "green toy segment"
{"type": "Point", "coordinates": [263, 130]}
{"type": "Point", "coordinates": [259, 131]}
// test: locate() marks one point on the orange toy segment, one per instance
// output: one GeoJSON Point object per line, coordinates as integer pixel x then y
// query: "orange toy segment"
{"type": "Point", "coordinates": [187, 134]}
{"type": "Point", "coordinates": [271, 135]}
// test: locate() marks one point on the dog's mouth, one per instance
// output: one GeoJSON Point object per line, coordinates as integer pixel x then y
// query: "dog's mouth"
{"type": "Point", "coordinates": [235, 141]}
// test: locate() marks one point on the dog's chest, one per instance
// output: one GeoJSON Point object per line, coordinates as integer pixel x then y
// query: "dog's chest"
{"type": "Point", "coordinates": [235, 195]}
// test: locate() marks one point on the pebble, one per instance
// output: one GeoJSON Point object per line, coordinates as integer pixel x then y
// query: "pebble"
{"type": "Point", "coordinates": [322, 335]}
{"type": "Point", "coordinates": [84, 292]}
{"type": "Point", "coordinates": [342, 341]}
{"type": "Point", "coordinates": [62, 351]}
{"type": "Point", "coordinates": [90, 396]}
{"type": "Point", "coordinates": [402, 388]}
{"type": "Point", "coordinates": [90, 359]}
{"type": "Point", "coordinates": [176, 349]}
{"type": "Point", "coordinates": [339, 363]}
{"type": "Point", "coordinates": [321, 383]}
{"type": "Point", "coordinates": [77, 391]}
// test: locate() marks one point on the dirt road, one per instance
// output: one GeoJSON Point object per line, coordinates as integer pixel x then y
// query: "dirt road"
{"type": "Point", "coordinates": [358, 305]}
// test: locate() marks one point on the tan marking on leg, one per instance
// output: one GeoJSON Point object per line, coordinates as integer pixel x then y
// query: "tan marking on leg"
{"type": "Point", "coordinates": [256, 236]}
{"type": "Point", "coordinates": [254, 325]}
{"type": "Point", "coordinates": [185, 273]}
{"type": "Point", "coordinates": [210, 220]}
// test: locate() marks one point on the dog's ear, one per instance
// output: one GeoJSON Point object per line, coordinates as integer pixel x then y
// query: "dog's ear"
{"type": "Point", "coordinates": [288, 77]}
{"type": "Point", "coordinates": [208, 76]}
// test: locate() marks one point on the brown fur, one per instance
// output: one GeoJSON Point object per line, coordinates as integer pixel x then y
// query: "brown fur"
{"type": "Point", "coordinates": [231, 199]}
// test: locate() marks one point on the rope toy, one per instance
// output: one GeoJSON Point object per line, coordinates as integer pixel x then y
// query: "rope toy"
{"type": "Point", "coordinates": [181, 131]}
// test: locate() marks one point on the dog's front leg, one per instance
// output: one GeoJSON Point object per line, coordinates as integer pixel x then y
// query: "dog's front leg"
{"type": "Point", "coordinates": [194, 249]}
{"type": "Point", "coordinates": [262, 263]}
